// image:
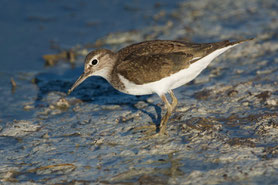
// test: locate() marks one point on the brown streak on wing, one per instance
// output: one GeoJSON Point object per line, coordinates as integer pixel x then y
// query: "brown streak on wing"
{"type": "Point", "coordinates": [150, 68]}
{"type": "Point", "coordinates": [168, 46]}
{"type": "Point", "coordinates": [150, 61]}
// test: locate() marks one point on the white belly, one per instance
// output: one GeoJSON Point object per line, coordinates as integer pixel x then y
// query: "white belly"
{"type": "Point", "coordinates": [173, 81]}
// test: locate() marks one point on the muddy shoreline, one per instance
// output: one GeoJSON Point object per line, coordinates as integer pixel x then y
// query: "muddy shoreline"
{"type": "Point", "coordinates": [224, 130]}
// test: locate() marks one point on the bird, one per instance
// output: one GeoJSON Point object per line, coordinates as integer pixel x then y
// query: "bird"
{"type": "Point", "coordinates": [153, 67]}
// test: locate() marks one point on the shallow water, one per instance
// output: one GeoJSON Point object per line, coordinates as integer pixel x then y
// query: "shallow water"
{"type": "Point", "coordinates": [224, 129]}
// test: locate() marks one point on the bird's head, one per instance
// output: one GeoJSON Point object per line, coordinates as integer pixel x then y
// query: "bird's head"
{"type": "Point", "coordinates": [97, 63]}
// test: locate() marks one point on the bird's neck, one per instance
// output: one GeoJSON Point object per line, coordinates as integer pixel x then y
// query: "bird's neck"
{"type": "Point", "coordinates": [105, 73]}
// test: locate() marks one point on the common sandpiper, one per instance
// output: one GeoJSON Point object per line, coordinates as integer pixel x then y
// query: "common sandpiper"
{"type": "Point", "coordinates": [156, 66]}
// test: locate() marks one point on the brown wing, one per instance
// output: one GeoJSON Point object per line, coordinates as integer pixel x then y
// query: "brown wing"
{"type": "Point", "coordinates": [150, 61]}
{"type": "Point", "coordinates": [167, 46]}
{"type": "Point", "coordinates": [150, 68]}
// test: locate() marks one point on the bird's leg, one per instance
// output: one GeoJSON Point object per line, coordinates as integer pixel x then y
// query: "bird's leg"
{"type": "Point", "coordinates": [174, 99]}
{"type": "Point", "coordinates": [170, 108]}
{"type": "Point", "coordinates": [163, 123]}
{"type": "Point", "coordinates": [165, 118]}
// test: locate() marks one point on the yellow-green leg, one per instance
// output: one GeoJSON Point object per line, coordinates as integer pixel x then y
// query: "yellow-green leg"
{"type": "Point", "coordinates": [174, 99]}
{"type": "Point", "coordinates": [170, 108]}
{"type": "Point", "coordinates": [164, 120]}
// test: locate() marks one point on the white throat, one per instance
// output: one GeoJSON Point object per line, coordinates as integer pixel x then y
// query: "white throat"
{"type": "Point", "coordinates": [104, 72]}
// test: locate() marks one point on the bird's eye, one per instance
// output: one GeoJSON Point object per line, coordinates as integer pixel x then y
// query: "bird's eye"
{"type": "Point", "coordinates": [94, 62]}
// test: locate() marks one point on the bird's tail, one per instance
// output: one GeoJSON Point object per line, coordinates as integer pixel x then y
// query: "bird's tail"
{"type": "Point", "coordinates": [229, 43]}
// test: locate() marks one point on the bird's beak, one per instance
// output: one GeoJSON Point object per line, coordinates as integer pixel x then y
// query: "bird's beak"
{"type": "Point", "coordinates": [83, 77]}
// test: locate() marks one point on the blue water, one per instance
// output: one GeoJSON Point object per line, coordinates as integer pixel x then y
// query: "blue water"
{"type": "Point", "coordinates": [30, 28]}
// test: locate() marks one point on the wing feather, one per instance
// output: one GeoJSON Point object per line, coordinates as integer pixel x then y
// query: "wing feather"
{"type": "Point", "coordinates": [150, 68]}
{"type": "Point", "coordinates": [150, 61]}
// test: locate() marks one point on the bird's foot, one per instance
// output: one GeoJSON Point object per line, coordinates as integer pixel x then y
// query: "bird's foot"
{"type": "Point", "coordinates": [146, 129]}
{"type": "Point", "coordinates": [159, 132]}
{"type": "Point", "coordinates": [156, 135]}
